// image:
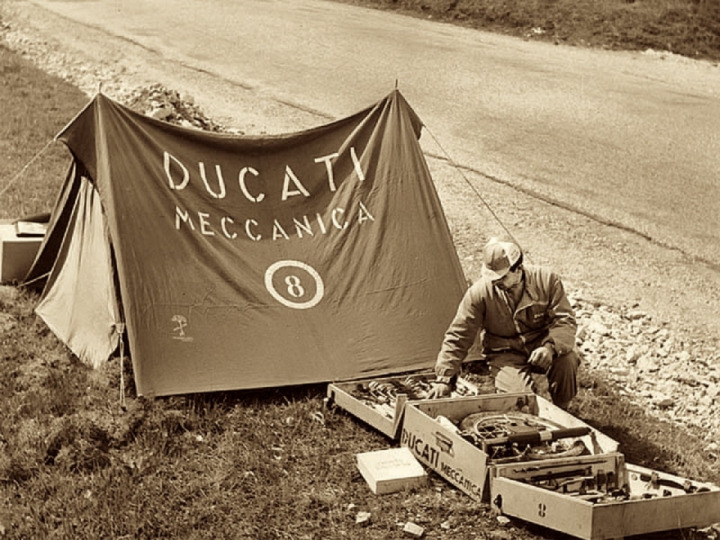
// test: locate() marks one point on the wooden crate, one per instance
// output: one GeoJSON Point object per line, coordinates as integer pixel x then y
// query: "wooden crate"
{"type": "Point", "coordinates": [649, 509]}
{"type": "Point", "coordinates": [388, 419]}
{"type": "Point", "coordinates": [17, 253]}
{"type": "Point", "coordinates": [633, 500]}
{"type": "Point", "coordinates": [440, 446]}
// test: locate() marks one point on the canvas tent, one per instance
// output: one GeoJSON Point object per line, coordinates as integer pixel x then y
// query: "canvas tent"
{"type": "Point", "coordinates": [235, 262]}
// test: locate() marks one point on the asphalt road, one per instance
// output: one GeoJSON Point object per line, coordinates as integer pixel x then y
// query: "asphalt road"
{"type": "Point", "coordinates": [632, 139]}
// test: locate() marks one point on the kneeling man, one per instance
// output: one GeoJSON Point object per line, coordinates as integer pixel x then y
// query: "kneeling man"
{"type": "Point", "coordinates": [527, 322]}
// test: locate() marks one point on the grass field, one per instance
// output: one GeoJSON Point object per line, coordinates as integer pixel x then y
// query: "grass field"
{"type": "Point", "coordinates": [74, 463]}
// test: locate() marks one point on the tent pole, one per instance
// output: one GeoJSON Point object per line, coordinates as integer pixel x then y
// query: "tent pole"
{"type": "Point", "coordinates": [57, 136]}
{"type": "Point", "coordinates": [120, 328]}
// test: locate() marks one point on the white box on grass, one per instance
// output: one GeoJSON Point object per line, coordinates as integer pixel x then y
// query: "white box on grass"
{"type": "Point", "coordinates": [387, 471]}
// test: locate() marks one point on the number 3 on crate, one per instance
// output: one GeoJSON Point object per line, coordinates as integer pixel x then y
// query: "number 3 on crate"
{"type": "Point", "coordinates": [294, 284]}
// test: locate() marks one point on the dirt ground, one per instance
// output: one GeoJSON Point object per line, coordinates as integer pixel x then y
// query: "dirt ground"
{"type": "Point", "coordinates": [602, 264]}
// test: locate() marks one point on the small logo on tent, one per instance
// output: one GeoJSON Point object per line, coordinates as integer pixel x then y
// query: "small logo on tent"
{"type": "Point", "coordinates": [179, 329]}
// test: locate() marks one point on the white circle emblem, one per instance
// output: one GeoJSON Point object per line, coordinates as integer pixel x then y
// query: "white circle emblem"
{"type": "Point", "coordinates": [295, 289]}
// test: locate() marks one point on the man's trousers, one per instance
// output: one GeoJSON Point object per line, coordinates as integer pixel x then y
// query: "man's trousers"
{"type": "Point", "coordinates": [512, 373]}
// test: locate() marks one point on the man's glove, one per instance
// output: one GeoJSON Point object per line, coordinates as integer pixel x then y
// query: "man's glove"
{"type": "Point", "coordinates": [439, 390]}
{"type": "Point", "coordinates": [542, 357]}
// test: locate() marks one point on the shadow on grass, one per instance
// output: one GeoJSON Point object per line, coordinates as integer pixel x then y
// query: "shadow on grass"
{"type": "Point", "coordinates": [260, 397]}
{"type": "Point", "coordinates": [645, 439]}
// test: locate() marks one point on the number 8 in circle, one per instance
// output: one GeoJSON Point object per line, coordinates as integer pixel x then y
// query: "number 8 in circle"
{"type": "Point", "coordinates": [294, 285]}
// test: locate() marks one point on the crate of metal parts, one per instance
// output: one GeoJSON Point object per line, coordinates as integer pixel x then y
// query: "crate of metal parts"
{"type": "Point", "coordinates": [380, 402]}
{"type": "Point", "coordinates": [578, 503]}
{"type": "Point", "coordinates": [536, 462]}
{"type": "Point", "coordinates": [465, 440]}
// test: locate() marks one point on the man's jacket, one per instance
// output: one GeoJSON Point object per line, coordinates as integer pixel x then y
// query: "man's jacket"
{"type": "Point", "coordinates": [543, 315]}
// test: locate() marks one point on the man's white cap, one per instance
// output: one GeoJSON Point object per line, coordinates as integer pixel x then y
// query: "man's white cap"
{"type": "Point", "coordinates": [498, 258]}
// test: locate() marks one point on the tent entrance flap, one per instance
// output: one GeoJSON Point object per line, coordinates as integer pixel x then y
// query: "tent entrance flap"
{"type": "Point", "coordinates": [79, 302]}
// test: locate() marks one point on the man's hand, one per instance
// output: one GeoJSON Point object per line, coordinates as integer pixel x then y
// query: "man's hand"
{"type": "Point", "coordinates": [439, 390]}
{"type": "Point", "coordinates": [541, 357]}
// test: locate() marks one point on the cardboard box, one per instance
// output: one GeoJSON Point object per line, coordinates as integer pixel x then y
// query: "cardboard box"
{"type": "Point", "coordinates": [387, 471]}
{"type": "Point", "coordinates": [385, 417]}
{"type": "Point", "coordinates": [17, 253]}
{"type": "Point", "coordinates": [430, 431]}
{"type": "Point", "coordinates": [666, 504]}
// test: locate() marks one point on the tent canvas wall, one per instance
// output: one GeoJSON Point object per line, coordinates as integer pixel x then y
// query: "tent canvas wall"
{"type": "Point", "coordinates": [249, 261]}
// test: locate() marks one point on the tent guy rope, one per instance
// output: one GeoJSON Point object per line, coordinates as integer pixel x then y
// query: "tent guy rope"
{"type": "Point", "coordinates": [472, 187]}
{"type": "Point", "coordinates": [27, 165]}
{"type": "Point", "coordinates": [44, 148]}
